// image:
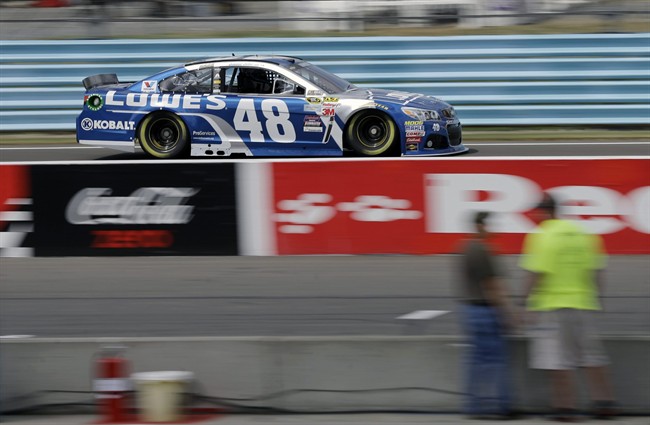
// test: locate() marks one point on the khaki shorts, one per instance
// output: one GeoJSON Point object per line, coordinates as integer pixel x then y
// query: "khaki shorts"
{"type": "Point", "coordinates": [565, 339]}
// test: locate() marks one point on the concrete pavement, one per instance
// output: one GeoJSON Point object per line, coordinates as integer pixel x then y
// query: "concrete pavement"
{"type": "Point", "coordinates": [352, 419]}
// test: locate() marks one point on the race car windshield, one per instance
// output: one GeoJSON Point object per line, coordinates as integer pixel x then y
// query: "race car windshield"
{"type": "Point", "coordinates": [330, 83]}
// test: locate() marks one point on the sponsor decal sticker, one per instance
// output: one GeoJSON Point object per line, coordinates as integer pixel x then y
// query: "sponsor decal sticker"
{"type": "Point", "coordinates": [415, 133]}
{"type": "Point", "coordinates": [411, 147]}
{"type": "Point", "coordinates": [189, 101]}
{"type": "Point", "coordinates": [413, 122]}
{"type": "Point", "coordinates": [89, 124]}
{"type": "Point", "coordinates": [330, 99]}
{"type": "Point", "coordinates": [313, 124]}
{"type": "Point", "coordinates": [400, 95]}
{"type": "Point", "coordinates": [329, 109]}
{"type": "Point", "coordinates": [380, 106]}
{"type": "Point", "coordinates": [95, 102]}
{"type": "Point", "coordinates": [414, 127]}
{"type": "Point", "coordinates": [413, 139]}
{"type": "Point", "coordinates": [204, 133]}
{"type": "Point", "coordinates": [149, 86]}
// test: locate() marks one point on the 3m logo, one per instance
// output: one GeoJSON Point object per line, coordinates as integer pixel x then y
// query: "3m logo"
{"type": "Point", "coordinates": [16, 216]}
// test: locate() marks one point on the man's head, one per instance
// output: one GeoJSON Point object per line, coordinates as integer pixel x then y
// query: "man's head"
{"type": "Point", "coordinates": [480, 223]}
{"type": "Point", "coordinates": [547, 206]}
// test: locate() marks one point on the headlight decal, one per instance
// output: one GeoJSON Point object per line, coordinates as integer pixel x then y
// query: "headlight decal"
{"type": "Point", "coordinates": [449, 112]}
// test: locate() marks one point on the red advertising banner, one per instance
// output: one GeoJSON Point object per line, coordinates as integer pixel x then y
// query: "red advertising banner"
{"type": "Point", "coordinates": [16, 217]}
{"type": "Point", "coordinates": [424, 206]}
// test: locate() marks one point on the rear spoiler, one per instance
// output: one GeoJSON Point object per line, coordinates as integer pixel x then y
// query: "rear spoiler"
{"type": "Point", "coordinates": [99, 80]}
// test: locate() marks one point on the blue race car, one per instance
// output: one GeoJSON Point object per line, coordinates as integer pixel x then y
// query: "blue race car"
{"type": "Point", "coordinates": [261, 106]}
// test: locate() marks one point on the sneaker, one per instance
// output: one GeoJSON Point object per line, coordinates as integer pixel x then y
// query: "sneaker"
{"type": "Point", "coordinates": [605, 410]}
{"type": "Point", "coordinates": [507, 416]}
{"type": "Point", "coordinates": [511, 415]}
{"type": "Point", "coordinates": [565, 415]}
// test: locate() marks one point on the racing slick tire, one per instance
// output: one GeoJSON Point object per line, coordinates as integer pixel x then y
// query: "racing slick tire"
{"type": "Point", "coordinates": [163, 135]}
{"type": "Point", "coordinates": [371, 133]}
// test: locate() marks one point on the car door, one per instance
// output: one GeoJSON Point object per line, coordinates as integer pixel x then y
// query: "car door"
{"type": "Point", "coordinates": [269, 111]}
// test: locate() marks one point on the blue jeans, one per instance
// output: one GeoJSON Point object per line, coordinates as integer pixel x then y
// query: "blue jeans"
{"type": "Point", "coordinates": [487, 380]}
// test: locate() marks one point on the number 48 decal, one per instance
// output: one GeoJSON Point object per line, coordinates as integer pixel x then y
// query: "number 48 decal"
{"type": "Point", "coordinates": [276, 113]}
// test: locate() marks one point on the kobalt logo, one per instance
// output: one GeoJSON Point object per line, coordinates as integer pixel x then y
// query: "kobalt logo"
{"type": "Point", "coordinates": [90, 124]}
{"type": "Point", "coordinates": [146, 205]}
{"type": "Point", "coordinates": [87, 124]}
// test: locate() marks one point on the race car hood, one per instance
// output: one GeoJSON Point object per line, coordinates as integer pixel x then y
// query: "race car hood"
{"type": "Point", "coordinates": [414, 100]}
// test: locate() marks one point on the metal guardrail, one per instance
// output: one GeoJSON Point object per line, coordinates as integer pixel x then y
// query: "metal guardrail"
{"type": "Point", "coordinates": [492, 80]}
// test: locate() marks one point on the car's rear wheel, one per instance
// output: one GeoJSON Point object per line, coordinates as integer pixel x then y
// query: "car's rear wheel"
{"type": "Point", "coordinates": [163, 135]}
{"type": "Point", "coordinates": [371, 133]}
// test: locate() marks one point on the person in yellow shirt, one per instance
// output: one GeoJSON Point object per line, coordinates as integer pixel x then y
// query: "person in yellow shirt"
{"type": "Point", "coordinates": [565, 267]}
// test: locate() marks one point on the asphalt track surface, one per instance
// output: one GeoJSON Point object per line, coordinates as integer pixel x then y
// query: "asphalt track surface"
{"type": "Point", "coordinates": [266, 296]}
{"type": "Point", "coordinates": [72, 152]}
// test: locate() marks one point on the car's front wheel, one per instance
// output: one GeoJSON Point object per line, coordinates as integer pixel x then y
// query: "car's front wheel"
{"type": "Point", "coordinates": [163, 135]}
{"type": "Point", "coordinates": [371, 133]}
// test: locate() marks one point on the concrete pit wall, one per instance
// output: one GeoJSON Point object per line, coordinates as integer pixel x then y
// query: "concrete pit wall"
{"type": "Point", "coordinates": [419, 373]}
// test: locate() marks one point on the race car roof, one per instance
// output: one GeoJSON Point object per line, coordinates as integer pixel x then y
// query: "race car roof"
{"type": "Point", "coordinates": [278, 60]}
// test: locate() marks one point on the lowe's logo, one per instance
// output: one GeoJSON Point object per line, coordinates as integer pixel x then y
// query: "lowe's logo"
{"type": "Point", "coordinates": [90, 124]}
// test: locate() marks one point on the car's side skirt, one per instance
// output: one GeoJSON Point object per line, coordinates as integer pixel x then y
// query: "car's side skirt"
{"type": "Point", "coordinates": [124, 146]}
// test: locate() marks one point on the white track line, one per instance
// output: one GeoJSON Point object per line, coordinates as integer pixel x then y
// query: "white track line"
{"type": "Point", "coordinates": [423, 314]}
{"type": "Point", "coordinates": [16, 336]}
